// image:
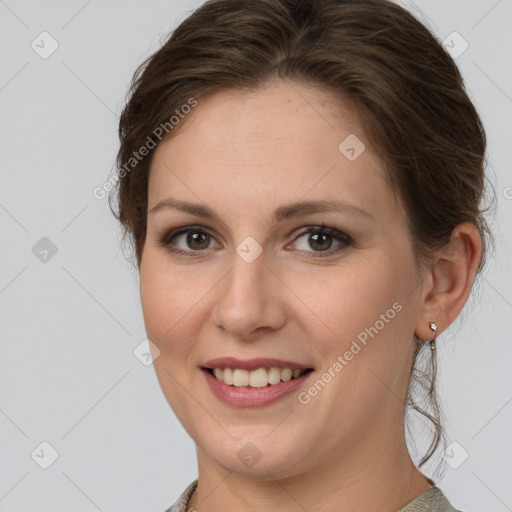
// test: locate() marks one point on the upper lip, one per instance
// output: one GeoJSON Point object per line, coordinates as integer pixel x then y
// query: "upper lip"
{"type": "Point", "coordinates": [253, 364]}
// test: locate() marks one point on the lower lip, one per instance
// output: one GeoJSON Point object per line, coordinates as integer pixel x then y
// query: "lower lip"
{"type": "Point", "coordinates": [253, 397]}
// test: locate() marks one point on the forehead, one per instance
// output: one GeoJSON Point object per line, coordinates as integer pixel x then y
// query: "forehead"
{"type": "Point", "coordinates": [281, 142]}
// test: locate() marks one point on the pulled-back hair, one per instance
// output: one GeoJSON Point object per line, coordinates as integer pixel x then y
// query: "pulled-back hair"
{"type": "Point", "coordinates": [406, 88]}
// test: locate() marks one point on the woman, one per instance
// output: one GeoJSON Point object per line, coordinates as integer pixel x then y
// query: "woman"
{"type": "Point", "coordinates": [301, 182]}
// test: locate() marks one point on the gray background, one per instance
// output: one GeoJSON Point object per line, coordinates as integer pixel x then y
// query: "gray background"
{"type": "Point", "coordinates": [69, 325]}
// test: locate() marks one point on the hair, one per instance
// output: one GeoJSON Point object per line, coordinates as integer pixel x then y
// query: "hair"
{"type": "Point", "coordinates": [406, 88]}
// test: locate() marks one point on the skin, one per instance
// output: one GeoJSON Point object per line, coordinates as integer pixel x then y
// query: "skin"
{"type": "Point", "coordinates": [244, 154]}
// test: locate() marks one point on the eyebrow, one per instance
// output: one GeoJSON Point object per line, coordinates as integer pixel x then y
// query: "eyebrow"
{"type": "Point", "coordinates": [282, 213]}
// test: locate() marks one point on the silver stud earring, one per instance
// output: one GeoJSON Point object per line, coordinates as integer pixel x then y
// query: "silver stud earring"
{"type": "Point", "coordinates": [433, 328]}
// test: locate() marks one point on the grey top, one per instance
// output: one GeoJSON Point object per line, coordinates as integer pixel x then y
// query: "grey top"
{"type": "Point", "coordinates": [432, 500]}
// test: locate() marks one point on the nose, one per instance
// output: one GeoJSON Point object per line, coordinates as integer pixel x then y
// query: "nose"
{"type": "Point", "coordinates": [249, 300]}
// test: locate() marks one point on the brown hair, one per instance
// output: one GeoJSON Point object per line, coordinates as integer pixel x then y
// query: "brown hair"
{"type": "Point", "coordinates": [406, 87]}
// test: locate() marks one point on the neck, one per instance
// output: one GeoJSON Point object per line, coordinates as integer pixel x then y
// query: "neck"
{"type": "Point", "coordinates": [353, 482]}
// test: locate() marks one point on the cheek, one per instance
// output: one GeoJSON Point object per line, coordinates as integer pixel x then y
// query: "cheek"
{"type": "Point", "coordinates": [170, 306]}
{"type": "Point", "coordinates": [365, 320]}
{"type": "Point", "coordinates": [351, 301]}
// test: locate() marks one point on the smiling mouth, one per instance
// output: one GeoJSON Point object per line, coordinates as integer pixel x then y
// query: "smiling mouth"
{"type": "Point", "coordinates": [258, 378]}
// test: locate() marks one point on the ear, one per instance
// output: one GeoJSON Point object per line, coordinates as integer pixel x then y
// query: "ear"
{"type": "Point", "coordinates": [447, 287]}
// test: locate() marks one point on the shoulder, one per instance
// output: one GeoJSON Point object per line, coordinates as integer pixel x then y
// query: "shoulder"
{"type": "Point", "coordinates": [432, 500]}
{"type": "Point", "coordinates": [182, 503]}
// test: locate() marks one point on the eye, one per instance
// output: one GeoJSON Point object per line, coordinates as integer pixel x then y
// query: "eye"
{"type": "Point", "coordinates": [320, 238]}
{"type": "Point", "coordinates": [193, 239]}
{"type": "Point", "coordinates": [196, 239]}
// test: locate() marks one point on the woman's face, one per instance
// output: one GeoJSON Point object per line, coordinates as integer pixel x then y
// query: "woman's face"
{"type": "Point", "coordinates": [246, 283]}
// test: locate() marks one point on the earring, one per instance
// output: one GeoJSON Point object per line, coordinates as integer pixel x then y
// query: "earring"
{"type": "Point", "coordinates": [433, 328]}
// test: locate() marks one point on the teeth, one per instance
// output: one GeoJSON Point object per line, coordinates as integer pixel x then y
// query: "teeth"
{"type": "Point", "coordinates": [240, 378]}
{"type": "Point", "coordinates": [258, 378]}
{"type": "Point", "coordinates": [286, 374]}
{"type": "Point", "coordinates": [226, 376]}
{"type": "Point", "coordinates": [274, 376]}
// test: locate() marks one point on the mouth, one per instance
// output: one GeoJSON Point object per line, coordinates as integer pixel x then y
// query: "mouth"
{"type": "Point", "coordinates": [255, 382]}
{"type": "Point", "coordinates": [261, 377]}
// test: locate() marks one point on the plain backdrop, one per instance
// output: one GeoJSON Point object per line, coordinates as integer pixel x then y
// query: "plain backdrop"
{"type": "Point", "coordinates": [73, 395]}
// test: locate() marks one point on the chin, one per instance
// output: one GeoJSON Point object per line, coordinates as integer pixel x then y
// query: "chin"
{"type": "Point", "coordinates": [257, 457]}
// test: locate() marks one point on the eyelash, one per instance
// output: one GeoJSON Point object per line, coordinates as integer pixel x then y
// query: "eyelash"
{"type": "Point", "coordinates": [165, 240]}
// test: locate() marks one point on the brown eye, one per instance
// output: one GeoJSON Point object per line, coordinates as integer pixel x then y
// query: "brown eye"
{"type": "Point", "coordinates": [198, 240]}
{"type": "Point", "coordinates": [186, 241]}
{"type": "Point", "coordinates": [195, 240]}
{"type": "Point", "coordinates": [321, 239]}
